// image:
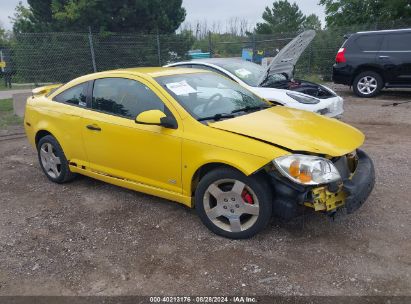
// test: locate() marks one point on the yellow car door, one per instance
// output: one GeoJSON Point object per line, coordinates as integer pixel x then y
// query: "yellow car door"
{"type": "Point", "coordinates": [119, 147]}
{"type": "Point", "coordinates": [64, 120]}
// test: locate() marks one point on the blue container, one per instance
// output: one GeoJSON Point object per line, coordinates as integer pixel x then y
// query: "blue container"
{"type": "Point", "coordinates": [197, 54]}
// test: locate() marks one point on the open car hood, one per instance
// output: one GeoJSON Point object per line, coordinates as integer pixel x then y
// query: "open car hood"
{"type": "Point", "coordinates": [295, 130]}
{"type": "Point", "coordinates": [287, 58]}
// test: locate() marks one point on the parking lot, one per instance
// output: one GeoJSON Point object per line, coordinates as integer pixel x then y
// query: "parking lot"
{"type": "Point", "coordinates": [92, 238]}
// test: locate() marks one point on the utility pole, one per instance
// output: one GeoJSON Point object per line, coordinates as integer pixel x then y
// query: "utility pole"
{"type": "Point", "coordinates": [210, 45]}
{"type": "Point", "coordinates": [93, 57]}
{"type": "Point", "coordinates": [254, 45]}
{"type": "Point", "coordinates": [158, 49]}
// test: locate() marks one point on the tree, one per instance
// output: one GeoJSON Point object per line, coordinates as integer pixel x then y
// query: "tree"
{"type": "Point", "coordinates": [162, 16]}
{"type": "Point", "coordinates": [312, 22]}
{"type": "Point", "coordinates": [283, 17]}
{"type": "Point", "coordinates": [35, 18]}
{"type": "Point", "coordinates": [2, 35]}
{"type": "Point", "coordinates": [354, 12]}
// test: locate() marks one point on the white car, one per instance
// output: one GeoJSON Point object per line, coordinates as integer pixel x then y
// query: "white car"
{"type": "Point", "coordinates": [276, 82]}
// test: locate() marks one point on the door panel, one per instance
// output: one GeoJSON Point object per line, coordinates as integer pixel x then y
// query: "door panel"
{"type": "Point", "coordinates": [119, 147]}
{"type": "Point", "coordinates": [65, 117]}
{"type": "Point", "coordinates": [364, 49]}
{"type": "Point", "coordinates": [395, 56]}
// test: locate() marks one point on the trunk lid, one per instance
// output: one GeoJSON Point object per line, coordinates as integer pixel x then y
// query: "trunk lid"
{"type": "Point", "coordinates": [45, 89]}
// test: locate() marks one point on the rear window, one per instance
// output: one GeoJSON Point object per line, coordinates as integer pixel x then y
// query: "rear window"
{"type": "Point", "coordinates": [248, 72]}
{"type": "Point", "coordinates": [75, 95]}
{"type": "Point", "coordinates": [397, 42]}
{"type": "Point", "coordinates": [369, 42]}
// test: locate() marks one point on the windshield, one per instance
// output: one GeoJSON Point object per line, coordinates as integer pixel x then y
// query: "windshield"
{"type": "Point", "coordinates": [273, 80]}
{"type": "Point", "coordinates": [247, 71]}
{"type": "Point", "coordinates": [208, 96]}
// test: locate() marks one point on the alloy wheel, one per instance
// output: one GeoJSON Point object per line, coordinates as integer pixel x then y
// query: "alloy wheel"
{"type": "Point", "coordinates": [367, 85]}
{"type": "Point", "coordinates": [231, 205]}
{"type": "Point", "coordinates": [50, 161]}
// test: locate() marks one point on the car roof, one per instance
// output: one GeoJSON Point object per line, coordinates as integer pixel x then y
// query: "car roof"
{"type": "Point", "coordinates": [215, 60]}
{"type": "Point", "coordinates": [158, 71]}
{"type": "Point", "coordinates": [152, 72]}
{"type": "Point", "coordinates": [386, 31]}
{"type": "Point", "coordinates": [146, 72]}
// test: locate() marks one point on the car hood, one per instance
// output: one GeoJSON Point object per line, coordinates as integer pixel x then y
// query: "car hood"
{"type": "Point", "coordinates": [295, 130]}
{"type": "Point", "coordinates": [287, 58]}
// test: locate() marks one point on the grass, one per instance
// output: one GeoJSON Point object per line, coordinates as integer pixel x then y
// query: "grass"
{"type": "Point", "coordinates": [6, 105]}
{"type": "Point", "coordinates": [7, 117]}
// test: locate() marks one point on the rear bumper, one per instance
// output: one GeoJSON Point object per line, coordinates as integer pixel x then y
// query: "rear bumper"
{"type": "Point", "coordinates": [342, 74]}
{"type": "Point", "coordinates": [291, 199]}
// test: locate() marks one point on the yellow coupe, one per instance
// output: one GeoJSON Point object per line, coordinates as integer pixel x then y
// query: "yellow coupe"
{"type": "Point", "coordinates": [202, 140]}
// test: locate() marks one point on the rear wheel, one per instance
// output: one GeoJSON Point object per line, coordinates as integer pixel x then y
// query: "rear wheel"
{"type": "Point", "coordinates": [233, 205]}
{"type": "Point", "coordinates": [367, 84]}
{"type": "Point", "coordinates": [53, 161]}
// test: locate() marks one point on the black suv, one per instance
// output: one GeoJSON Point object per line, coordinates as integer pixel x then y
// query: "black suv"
{"type": "Point", "coordinates": [370, 61]}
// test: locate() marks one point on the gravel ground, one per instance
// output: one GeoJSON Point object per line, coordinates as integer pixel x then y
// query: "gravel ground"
{"type": "Point", "coordinates": [92, 238]}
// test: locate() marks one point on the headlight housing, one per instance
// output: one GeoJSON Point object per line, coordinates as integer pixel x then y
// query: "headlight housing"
{"type": "Point", "coordinates": [307, 169]}
{"type": "Point", "coordinates": [328, 89]}
{"type": "Point", "coordinates": [303, 98]}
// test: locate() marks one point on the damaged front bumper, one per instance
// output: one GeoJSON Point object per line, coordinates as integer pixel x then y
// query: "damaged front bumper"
{"type": "Point", "coordinates": [331, 107]}
{"type": "Point", "coordinates": [350, 194]}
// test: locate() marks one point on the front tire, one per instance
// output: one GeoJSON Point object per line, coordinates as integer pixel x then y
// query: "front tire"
{"type": "Point", "coordinates": [233, 205]}
{"type": "Point", "coordinates": [53, 161]}
{"type": "Point", "coordinates": [367, 84]}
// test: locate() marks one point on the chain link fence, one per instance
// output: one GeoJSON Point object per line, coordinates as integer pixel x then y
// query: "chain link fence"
{"type": "Point", "coordinates": [318, 58]}
{"type": "Point", "coordinates": [59, 57]}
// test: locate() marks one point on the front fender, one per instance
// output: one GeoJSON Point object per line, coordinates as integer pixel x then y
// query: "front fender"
{"type": "Point", "coordinates": [196, 155]}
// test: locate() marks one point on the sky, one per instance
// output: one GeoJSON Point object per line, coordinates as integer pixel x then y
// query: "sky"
{"type": "Point", "coordinates": [211, 10]}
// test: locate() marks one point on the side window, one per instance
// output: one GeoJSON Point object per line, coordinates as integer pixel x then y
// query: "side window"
{"type": "Point", "coordinates": [124, 97]}
{"type": "Point", "coordinates": [75, 95]}
{"type": "Point", "coordinates": [369, 42]}
{"type": "Point", "coordinates": [397, 42]}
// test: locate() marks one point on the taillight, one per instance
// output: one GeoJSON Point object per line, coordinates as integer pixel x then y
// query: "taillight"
{"type": "Point", "coordinates": [340, 58]}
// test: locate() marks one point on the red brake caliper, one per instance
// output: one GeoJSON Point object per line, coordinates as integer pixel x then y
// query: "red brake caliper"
{"type": "Point", "coordinates": [247, 197]}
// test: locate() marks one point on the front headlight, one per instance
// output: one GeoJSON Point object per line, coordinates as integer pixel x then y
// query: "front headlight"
{"type": "Point", "coordinates": [329, 90]}
{"type": "Point", "coordinates": [307, 169]}
{"type": "Point", "coordinates": [303, 98]}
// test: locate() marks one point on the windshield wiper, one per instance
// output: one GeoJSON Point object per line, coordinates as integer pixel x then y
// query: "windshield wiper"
{"type": "Point", "coordinates": [217, 117]}
{"type": "Point", "coordinates": [249, 109]}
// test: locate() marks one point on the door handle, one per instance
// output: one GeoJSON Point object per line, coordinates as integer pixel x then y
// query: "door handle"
{"type": "Point", "coordinates": [93, 128]}
{"type": "Point", "coordinates": [384, 57]}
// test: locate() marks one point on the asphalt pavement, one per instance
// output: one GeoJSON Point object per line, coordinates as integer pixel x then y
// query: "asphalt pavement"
{"type": "Point", "coordinates": [9, 93]}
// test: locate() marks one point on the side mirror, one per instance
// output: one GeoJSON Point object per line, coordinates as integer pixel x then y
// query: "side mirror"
{"type": "Point", "coordinates": [156, 118]}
